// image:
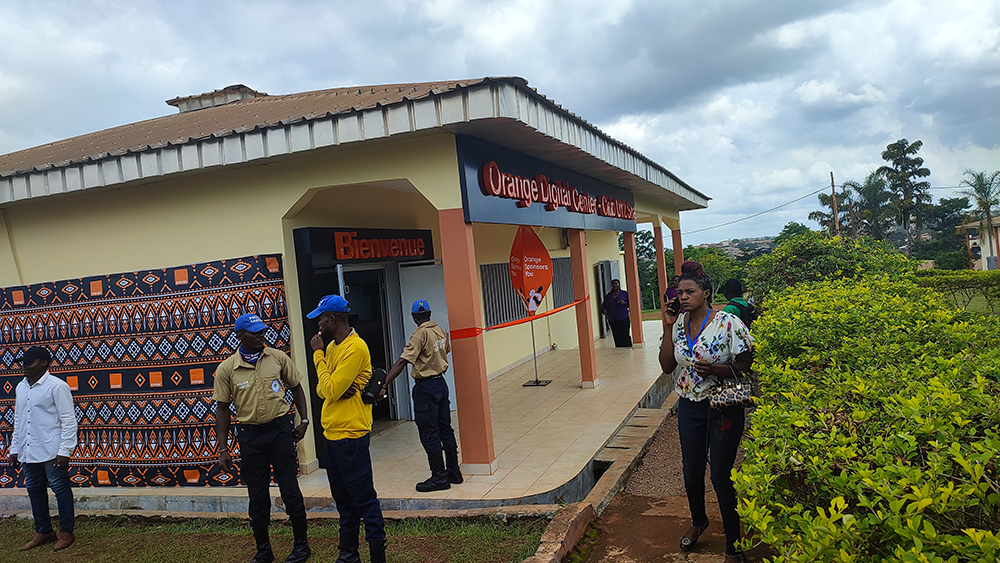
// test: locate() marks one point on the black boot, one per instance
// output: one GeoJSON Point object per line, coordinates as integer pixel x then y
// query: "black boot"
{"type": "Point", "coordinates": [377, 549]}
{"type": "Point", "coordinates": [454, 471]}
{"type": "Point", "coordinates": [439, 476]}
{"type": "Point", "coordinates": [264, 553]}
{"type": "Point", "coordinates": [349, 548]}
{"type": "Point", "coordinates": [300, 549]}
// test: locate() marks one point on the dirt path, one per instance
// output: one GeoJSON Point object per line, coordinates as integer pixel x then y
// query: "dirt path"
{"type": "Point", "coordinates": [645, 522]}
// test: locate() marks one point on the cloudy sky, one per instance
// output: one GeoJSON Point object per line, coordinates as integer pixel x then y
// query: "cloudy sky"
{"type": "Point", "coordinates": [752, 103]}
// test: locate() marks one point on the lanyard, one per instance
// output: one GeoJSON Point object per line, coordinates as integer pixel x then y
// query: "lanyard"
{"type": "Point", "coordinates": [687, 333]}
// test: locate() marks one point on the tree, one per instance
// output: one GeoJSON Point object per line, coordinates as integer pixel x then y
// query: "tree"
{"type": "Point", "coordinates": [872, 212]}
{"type": "Point", "coordinates": [908, 195]}
{"type": "Point", "coordinates": [942, 221]}
{"type": "Point", "coordinates": [790, 231]}
{"type": "Point", "coordinates": [825, 219]}
{"type": "Point", "coordinates": [718, 265]}
{"type": "Point", "coordinates": [984, 189]}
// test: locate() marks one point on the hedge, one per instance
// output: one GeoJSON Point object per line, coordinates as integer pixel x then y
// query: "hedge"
{"type": "Point", "coordinates": [964, 285]}
{"type": "Point", "coordinates": [877, 435]}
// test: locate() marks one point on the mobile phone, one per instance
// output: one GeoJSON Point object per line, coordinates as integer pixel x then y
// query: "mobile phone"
{"type": "Point", "coordinates": [674, 304]}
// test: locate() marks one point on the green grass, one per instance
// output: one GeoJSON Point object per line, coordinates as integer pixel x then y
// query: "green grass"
{"type": "Point", "coordinates": [123, 539]}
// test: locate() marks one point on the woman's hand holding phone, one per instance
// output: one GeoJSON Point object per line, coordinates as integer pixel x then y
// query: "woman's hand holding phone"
{"type": "Point", "coordinates": [673, 308]}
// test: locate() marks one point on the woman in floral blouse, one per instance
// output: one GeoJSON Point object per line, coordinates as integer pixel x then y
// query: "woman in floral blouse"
{"type": "Point", "coordinates": [704, 347]}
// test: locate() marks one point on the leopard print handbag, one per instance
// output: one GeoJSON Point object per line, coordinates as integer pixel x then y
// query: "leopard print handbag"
{"type": "Point", "coordinates": [736, 391]}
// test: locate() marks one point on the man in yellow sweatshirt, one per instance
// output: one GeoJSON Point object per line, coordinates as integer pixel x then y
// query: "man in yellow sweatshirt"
{"type": "Point", "coordinates": [343, 369]}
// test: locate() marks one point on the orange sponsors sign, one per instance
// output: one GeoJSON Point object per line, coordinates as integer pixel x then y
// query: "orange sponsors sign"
{"type": "Point", "coordinates": [551, 193]}
{"type": "Point", "coordinates": [530, 268]}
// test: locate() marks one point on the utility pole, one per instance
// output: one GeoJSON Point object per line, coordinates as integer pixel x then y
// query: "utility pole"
{"type": "Point", "coordinates": [833, 194]}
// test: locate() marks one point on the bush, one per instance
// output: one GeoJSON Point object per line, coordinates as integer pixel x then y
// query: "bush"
{"type": "Point", "coordinates": [957, 260]}
{"type": "Point", "coordinates": [876, 438]}
{"type": "Point", "coordinates": [815, 257]}
{"type": "Point", "coordinates": [962, 286]}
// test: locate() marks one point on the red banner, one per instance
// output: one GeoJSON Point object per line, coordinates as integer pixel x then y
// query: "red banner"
{"type": "Point", "coordinates": [530, 268]}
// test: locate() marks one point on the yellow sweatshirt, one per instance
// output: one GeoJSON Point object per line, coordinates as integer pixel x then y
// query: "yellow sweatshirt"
{"type": "Point", "coordinates": [342, 365]}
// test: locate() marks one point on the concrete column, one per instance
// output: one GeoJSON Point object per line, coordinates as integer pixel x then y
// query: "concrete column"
{"type": "Point", "coordinates": [632, 279]}
{"type": "Point", "coordinates": [678, 250]}
{"type": "Point", "coordinates": [472, 393]}
{"type": "Point", "coordinates": [661, 267]}
{"type": "Point", "coordinates": [584, 320]}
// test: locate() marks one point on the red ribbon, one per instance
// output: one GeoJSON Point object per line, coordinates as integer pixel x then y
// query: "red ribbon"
{"type": "Point", "coordinates": [475, 331]}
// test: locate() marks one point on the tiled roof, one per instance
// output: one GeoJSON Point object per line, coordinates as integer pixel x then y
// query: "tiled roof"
{"type": "Point", "coordinates": [270, 126]}
{"type": "Point", "coordinates": [220, 121]}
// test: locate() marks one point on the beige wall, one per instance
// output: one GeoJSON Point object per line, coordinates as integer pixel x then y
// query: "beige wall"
{"type": "Point", "coordinates": [509, 346]}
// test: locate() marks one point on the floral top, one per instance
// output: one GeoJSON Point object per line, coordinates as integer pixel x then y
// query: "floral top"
{"type": "Point", "coordinates": [723, 338]}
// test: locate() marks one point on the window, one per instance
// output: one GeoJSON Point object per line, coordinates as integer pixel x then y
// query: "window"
{"type": "Point", "coordinates": [502, 304]}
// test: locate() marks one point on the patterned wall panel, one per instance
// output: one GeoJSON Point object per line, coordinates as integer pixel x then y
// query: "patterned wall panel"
{"type": "Point", "coordinates": [139, 351]}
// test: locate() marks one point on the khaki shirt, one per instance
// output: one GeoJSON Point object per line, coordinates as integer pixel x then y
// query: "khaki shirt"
{"type": "Point", "coordinates": [427, 351]}
{"type": "Point", "coordinates": [256, 392]}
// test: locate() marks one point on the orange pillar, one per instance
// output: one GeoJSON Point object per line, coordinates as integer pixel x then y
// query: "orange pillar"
{"type": "Point", "coordinates": [661, 266]}
{"type": "Point", "coordinates": [472, 394]}
{"type": "Point", "coordinates": [678, 250]}
{"type": "Point", "coordinates": [584, 322]}
{"type": "Point", "coordinates": [632, 279]}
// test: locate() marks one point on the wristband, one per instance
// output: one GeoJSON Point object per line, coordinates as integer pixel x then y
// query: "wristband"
{"type": "Point", "coordinates": [303, 421]}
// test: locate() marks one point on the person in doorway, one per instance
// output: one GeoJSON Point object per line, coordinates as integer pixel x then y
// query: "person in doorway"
{"type": "Point", "coordinates": [615, 308]}
{"type": "Point", "coordinates": [427, 351]}
{"type": "Point", "coordinates": [704, 346]}
{"type": "Point", "coordinates": [342, 365]}
{"type": "Point", "coordinates": [43, 441]}
{"type": "Point", "coordinates": [733, 291]}
{"type": "Point", "coordinates": [254, 380]}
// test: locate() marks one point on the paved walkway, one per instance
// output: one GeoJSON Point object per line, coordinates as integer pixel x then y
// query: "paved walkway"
{"type": "Point", "coordinates": [545, 439]}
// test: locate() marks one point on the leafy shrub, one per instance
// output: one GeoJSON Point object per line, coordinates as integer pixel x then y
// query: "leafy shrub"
{"type": "Point", "coordinates": [962, 286]}
{"type": "Point", "coordinates": [957, 260]}
{"type": "Point", "coordinates": [877, 436]}
{"type": "Point", "coordinates": [814, 256]}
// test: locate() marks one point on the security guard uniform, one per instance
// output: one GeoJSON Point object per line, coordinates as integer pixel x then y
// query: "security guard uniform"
{"type": "Point", "coordinates": [265, 430]}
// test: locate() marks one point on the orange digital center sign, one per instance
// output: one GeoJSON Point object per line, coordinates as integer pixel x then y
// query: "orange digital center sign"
{"type": "Point", "coordinates": [551, 193]}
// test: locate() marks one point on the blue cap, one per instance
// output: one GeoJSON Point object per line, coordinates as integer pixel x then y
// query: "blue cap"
{"type": "Point", "coordinates": [421, 306]}
{"type": "Point", "coordinates": [250, 322]}
{"type": "Point", "coordinates": [330, 304]}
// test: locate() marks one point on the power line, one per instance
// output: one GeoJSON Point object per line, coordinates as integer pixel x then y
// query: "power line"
{"type": "Point", "coordinates": [756, 214]}
{"type": "Point", "coordinates": [775, 208]}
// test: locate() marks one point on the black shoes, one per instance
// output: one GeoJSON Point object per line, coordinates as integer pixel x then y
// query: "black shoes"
{"type": "Point", "coordinates": [300, 553]}
{"type": "Point", "coordinates": [454, 471]}
{"type": "Point", "coordinates": [439, 476]}
{"type": "Point", "coordinates": [377, 549]}
{"type": "Point", "coordinates": [264, 554]}
{"type": "Point", "coordinates": [349, 549]}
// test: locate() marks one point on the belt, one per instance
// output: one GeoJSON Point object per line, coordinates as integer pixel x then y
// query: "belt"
{"type": "Point", "coordinates": [431, 377]}
{"type": "Point", "coordinates": [268, 426]}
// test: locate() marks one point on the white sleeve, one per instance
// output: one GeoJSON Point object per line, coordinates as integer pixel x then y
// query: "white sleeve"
{"type": "Point", "coordinates": [16, 438]}
{"type": "Point", "coordinates": [63, 399]}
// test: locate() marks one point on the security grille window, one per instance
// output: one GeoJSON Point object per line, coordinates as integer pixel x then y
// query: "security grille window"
{"type": "Point", "coordinates": [500, 301]}
{"type": "Point", "coordinates": [562, 282]}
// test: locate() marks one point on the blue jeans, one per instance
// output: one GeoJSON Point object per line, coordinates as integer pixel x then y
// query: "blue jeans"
{"type": "Point", "coordinates": [39, 476]}
{"type": "Point", "coordinates": [711, 437]}
{"type": "Point", "coordinates": [349, 470]}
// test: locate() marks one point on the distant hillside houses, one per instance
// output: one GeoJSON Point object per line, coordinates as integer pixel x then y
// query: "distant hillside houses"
{"type": "Point", "coordinates": [744, 248]}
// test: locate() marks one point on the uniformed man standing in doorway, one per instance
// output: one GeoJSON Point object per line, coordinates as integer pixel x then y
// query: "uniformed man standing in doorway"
{"type": "Point", "coordinates": [343, 367]}
{"type": "Point", "coordinates": [427, 351]}
{"type": "Point", "coordinates": [255, 379]}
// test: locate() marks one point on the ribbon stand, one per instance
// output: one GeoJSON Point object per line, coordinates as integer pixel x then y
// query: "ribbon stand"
{"type": "Point", "coordinates": [534, 356]}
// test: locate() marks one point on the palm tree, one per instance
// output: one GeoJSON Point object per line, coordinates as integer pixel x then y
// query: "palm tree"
{"type": "Point", "coordinates": [984, 190]}
{"type": "Point", "coordinates": [909, 197]}
{"type": "Point", "coordinates": [825, 219]}
{"type": "Point", "coordinates": [872, 212]}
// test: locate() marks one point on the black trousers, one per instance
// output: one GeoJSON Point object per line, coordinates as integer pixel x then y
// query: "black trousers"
{"type": "Point", "coordinates": [432, 414]}
{"type": "Point", "coordinates": [620, 330]}
{"type": "Point", "coordinates": [264, 447]}
{"type": "Point", "coordinates": [349, 470]}
{"type": "Point", "coordinates": [711, 437]}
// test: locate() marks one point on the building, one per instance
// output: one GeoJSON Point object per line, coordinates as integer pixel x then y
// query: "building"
{"type": "Point", "coordinates": [983, 249]}
{"type": "Point", "coordinates": [130, 251]}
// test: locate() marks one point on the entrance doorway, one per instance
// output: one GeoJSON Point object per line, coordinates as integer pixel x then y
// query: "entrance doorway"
{"type": "Point", "coordinates": [366, 293]}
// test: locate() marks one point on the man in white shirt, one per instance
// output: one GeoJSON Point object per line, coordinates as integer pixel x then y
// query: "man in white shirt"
{"type": "Point", "coordinates": [44, 439]}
